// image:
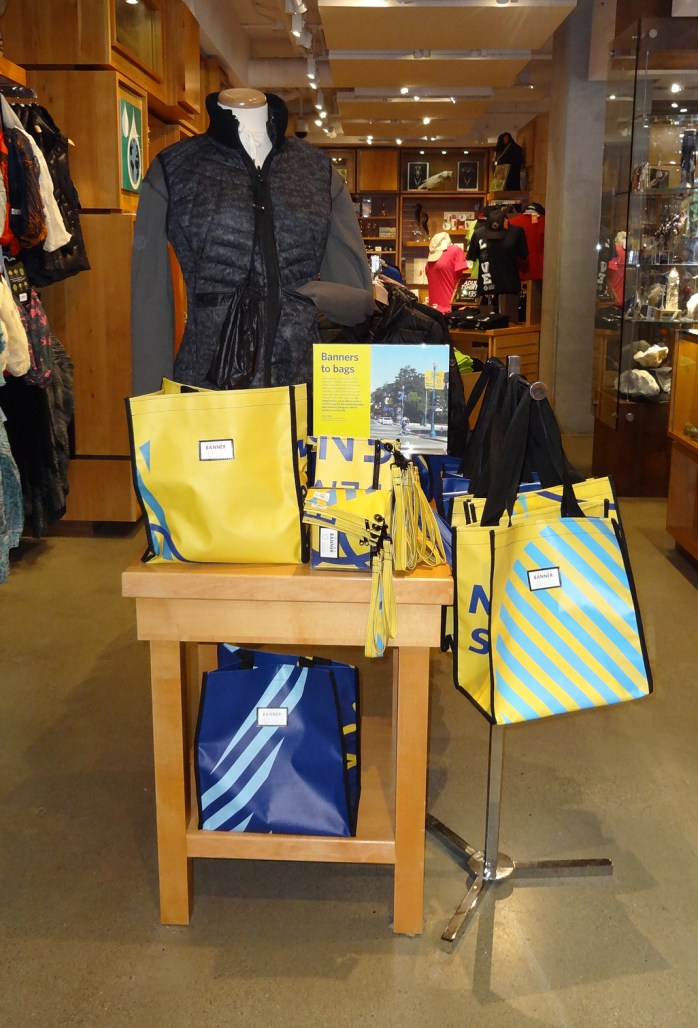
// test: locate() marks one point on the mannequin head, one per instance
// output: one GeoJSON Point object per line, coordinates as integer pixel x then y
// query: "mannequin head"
{"type": "Point", "coordinates": [241, 98]}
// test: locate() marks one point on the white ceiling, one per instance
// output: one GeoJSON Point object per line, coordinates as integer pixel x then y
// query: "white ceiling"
{"type": "Point", "coordinates": [479, 67]}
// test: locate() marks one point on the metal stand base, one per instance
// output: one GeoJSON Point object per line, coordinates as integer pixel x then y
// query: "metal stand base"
{"type": "Point", "coordinates": [489, 866]}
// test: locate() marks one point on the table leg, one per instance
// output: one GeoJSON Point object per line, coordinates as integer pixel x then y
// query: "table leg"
{"type": "Point", "coordinates": [410, 787]}
{"type": "Point", "coordinates": [170, 734]}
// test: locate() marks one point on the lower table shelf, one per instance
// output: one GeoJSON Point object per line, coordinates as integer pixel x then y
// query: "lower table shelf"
{"type": "Point", "coordinates": [374, 842]}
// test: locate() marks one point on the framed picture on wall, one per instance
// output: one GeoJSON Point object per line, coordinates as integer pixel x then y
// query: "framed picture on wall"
{"type": "Point", "coordinates": [468, 176]}
{"type": "Point", "coordinates": [417, 173]}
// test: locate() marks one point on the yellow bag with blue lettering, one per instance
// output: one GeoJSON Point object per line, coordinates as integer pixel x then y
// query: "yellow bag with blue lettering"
{"type": "Point", "coordinates": [220, 475]}
{"type": "Point", "coordinates": [546, 617]}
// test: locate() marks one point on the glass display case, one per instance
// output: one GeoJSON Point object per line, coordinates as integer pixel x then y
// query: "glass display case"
{"type": "Point", "coordinates": [647, 283]}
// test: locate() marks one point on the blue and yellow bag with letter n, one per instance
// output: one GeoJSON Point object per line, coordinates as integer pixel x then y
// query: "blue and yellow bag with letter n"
{"type": "Point", "coordinates": [546, 617]}
{"type": "Point", "coordinates": [220, 475]}
{"type": "Point", "coordinates": [277, 745]}
{"type": "Point", "coordinates": [346, 467]}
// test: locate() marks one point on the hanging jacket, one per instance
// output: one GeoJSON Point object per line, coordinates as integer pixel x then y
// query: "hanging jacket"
{"type": "Point", "coordinates": [43, 266]}
{"type": "Point", "coordinates": [200, 194]}
{"type": "Point", "coordinates": [17, 351]}
{"type": "Point", "coordinates": [56, 233]}
{"type": "Point", "coordinates": [27, 219]}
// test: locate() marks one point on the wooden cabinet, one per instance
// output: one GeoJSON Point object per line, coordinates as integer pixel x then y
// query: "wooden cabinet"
{"type": "Point", "coordinates": [90, 314]}
{"type": "Point", "coordinates": [154, 43]}
{"type": "Point", "coordinates": [183, 57]}
{"type": "Point", "coordinates": [518, 340]}
{"type": "Point", "coordinates": [682, 503]}
{"type": "Point", "coordinates": [98, 33]}
{"type": "Point", "coordinates": [105, 116]}
{"type": "Point", "coordinates": [377, 170]}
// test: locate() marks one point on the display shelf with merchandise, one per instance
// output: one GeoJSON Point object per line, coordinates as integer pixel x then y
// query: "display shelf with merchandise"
{"type": "Point", "coordinates": [377, 214]}
{"type": "Point", "coordinates": [647, 282]}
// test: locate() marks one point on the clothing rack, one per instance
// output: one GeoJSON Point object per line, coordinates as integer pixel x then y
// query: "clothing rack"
{"type": "Point", "coordinates": [15, 91]}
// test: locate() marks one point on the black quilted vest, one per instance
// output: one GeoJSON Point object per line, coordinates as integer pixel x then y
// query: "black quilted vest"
{"type": "Point", "coordinates": [212, 186]}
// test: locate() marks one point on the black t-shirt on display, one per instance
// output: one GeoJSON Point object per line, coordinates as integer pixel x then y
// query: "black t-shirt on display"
{"type": "Point", "coordinates": [498, 268]}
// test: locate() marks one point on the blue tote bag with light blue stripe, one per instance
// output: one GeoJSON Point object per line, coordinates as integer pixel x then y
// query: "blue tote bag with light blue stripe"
{"type": "Point", "coordinates": [276, 746]}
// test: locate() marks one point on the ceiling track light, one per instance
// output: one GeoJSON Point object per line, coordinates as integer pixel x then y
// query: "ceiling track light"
{"type": "Point", "coordinates": [297, 25]}
{"type": "Point", "coordinates": [310, 72]}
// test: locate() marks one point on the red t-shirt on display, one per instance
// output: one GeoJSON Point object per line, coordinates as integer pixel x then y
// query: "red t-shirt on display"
{"type": "Point", "coordinates": [443, 275]}
{"type": "Point", "coordinates": [534, 229]}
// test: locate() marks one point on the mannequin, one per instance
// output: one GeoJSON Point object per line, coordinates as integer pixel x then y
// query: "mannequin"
{"type": "Point", "coordinates": [445, 266]}
{"type": "Point", "coordinates": [508, 152]}
{"type": "Point", "coordinates": [616, 267]}
{"type": "Point", "coordinates": [499, 247]}
{"type": "Point", "coordinates": [251, 110]}
{"type": "Point", "coordinates": [234, 205]}
{"type": "Point", "coordinates": [688, 158]}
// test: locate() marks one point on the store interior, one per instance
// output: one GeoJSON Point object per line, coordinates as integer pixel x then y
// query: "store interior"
{"type": "Point", "coordinates": [574, 121]}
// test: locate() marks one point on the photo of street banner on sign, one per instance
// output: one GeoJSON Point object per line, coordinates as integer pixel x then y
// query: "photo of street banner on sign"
{"type": "Point", "coordinates": [382, 391]}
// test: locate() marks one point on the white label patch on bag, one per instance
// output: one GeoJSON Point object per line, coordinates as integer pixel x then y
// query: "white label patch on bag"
{"type": "Point", "coordinates": [329, 542]}
{"type": "Point", "coordinates": [216, 449]}
{"type": "Point", "coordinates": [272, 717]}
{"type": "Point", "coordinates": [544, 578]}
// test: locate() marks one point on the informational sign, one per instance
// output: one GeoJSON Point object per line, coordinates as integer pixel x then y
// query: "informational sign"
{"type": "Point", "coordinates": [382, 391]}
{"type": "Point", "coordinates": [131, 121]}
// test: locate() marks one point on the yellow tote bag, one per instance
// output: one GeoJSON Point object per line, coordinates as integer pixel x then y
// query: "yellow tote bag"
{"type": "Point", "coordinates": [546, 618]}
{"type": "Point", "coordinates": [220, 475]}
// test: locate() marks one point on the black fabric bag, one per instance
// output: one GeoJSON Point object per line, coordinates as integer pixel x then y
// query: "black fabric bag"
{"type": "Point", "coordinates": [244, 326]}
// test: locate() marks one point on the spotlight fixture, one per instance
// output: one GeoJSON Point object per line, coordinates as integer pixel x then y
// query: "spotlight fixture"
{"type": "Point", "coordinates": [465, 151]}
{"type": "Point", "coordinates": [313, 84]}
{"type": "Point", "coordinates": [323, 114]}
{"type": "Point", "coordinates": [297, 25]}
{"type": "Point", "coordinates": [399, 142]}
{"type": "Point", "coordinates": [417, 98]}
{"type": "Point", "coordinates": [426, 121]}
{"type": "Point", "coordinates": [404, 90]}
{"type": "Point", "coordinates": [676, 87]}
{"type": "Point", "coordinates": [310, 71]}
{"type": "Point", "coordinates": [319, 100]}
{"type": "Point", "coordinates": [675, 105]}
{"type": "Point", "coordinates": [421, 153]}
{"type": "Point", "coordinates": [369, 140]}
{"type": "Point", "coordinates": [134, 2]}
{"type": "Point", "coordinates": [305, 40]}
{"type": "Point", "coordinates": [318, 122]}
{"type": "Point", "coordinates": [444, 152]}
{"type": "Point", "coordinates": [683, 110]}
{"type": "Point", "coordinates": [612, 96]}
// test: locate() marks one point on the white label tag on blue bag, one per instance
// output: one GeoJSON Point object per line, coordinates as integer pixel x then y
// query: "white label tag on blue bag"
{"type": "Point", "coordinates": [216, 449]}
{"type": "Point", "coordinates": [272, 717]}
{"type": "Point", "coordinates": [544, 578]}
{"type": "Point", "coordinates": [329, 543]}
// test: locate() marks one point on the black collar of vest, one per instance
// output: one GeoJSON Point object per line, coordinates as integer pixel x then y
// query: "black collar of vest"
{"type": "Point", "coordinates": [223, 125]}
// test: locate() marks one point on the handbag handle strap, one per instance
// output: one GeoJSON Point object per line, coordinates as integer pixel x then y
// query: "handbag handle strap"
{"type": "Point", "coordinates": [533, 422]}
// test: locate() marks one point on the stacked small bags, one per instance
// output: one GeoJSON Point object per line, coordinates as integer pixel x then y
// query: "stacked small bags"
{"type": "Point", "coordinates": [367, 512]}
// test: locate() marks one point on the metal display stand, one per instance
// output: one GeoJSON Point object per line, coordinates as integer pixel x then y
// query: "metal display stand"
{"type": "Point", "coordinates": [489, 866]}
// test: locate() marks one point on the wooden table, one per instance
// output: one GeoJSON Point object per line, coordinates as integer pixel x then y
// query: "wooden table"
{"type": "Point", "coordinates": [291, 606]}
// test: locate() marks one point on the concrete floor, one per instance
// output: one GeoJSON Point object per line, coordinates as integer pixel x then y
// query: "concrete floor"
{"type": "Point", "coordinates": [305, 945]}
